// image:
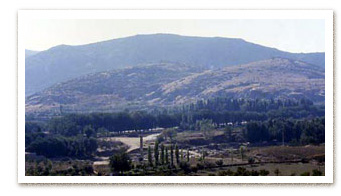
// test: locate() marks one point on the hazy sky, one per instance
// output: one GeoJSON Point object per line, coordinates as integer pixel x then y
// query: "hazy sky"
{"type": "Point", "coordinates": [287, 35]}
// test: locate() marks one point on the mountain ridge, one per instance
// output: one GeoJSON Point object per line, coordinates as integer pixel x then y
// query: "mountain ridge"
{"type": "Point", "coordinates": [29, 53]}
{"type": "Point", "coordinates": [65, 62]}
{"type": "Point", "coordinates": [173, 84]}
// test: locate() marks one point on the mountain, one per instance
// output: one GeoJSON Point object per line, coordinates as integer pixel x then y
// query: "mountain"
{"type": "Point", "coordinates": [272, 78]}
{"type": "Point", "coordinates": [65, 62]}
{"type": "Point", "coordinates": [109, 90]}
{"type": "Point", "coordinates": [167, 84]}
{"type": "Point", "coordinates": [29, 53]}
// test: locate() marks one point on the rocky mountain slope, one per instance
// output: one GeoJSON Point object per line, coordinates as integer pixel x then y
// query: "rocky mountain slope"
{"type": "Point", "coordinates": [166, 84]}
{"type": "Point", "coordinates": [64, 62]}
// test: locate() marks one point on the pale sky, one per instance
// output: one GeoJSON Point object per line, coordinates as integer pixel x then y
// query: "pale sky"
{"type": "Point", "coordinates": [287, 35]}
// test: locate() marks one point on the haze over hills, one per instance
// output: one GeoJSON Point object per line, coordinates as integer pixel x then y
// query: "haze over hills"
{"type": "Point", "coordinates": [29, 53]}
{"type": "Point", "coordinates": [62, 63]}
{"type": "Point", "coordinates": [167, 84]}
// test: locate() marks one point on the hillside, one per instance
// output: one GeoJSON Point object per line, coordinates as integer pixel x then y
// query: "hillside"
{"type": "Point", "coordinates": [109, 90]}
{"type": "Point", "coordinates": [64, 62]}
{"type": "Point", "coordinates": [272, 78]}
{"type": "Point", "coordinates": [167, 84]}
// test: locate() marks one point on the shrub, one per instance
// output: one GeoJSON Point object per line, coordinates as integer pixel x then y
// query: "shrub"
{"type": "Point", "coordinates": [263, 172]}
{"type": "Point", "coordinates": [317, 172]}
{"type": "Point", "coordinates": [251, 160]}
{"type": "Point", "coordinates": [185, 167]}
{"type": "Point", "coordinates": [194, 169]}
{"type": "Point", "coordinates": [241, 171]}
{"type": "Point", "coordinates": [219, 162]}
{"type": "Point", "coordinates": [225, 173]}
{"type": "Point", "coordinates": [305, 174]}
{"type": "Point", "coordinates": [200, 166]}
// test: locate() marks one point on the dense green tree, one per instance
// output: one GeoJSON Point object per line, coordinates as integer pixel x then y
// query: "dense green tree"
{"type": "Point", "coordinates": [206, 127]}
{"type": "Point", "coordinates": [60, 146]}
{"type": "Point", "coordinates": [203, 115]}
{"type": "Point", "coordinates": [169, 133]}
{"type": "Point", "coordinates": [32, 127]}
{"type": "Point", "coordinates": [228, 133]}
{"type": "Point", "coordinates": [89, 131]}
{"type": "Point", "coordinates": [120, 162]}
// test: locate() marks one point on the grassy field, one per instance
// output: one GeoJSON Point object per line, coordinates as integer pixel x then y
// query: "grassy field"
{"type": "Point", "coordinates": [285, 169]}
{"type": "Point", "coordinates": [284, 153]}
{"type": "Point", "coordinates": [275, 160]}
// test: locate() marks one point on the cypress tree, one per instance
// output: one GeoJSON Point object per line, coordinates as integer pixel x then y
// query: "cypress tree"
{"type": "Point", "coordinates": [242, 152]}
{"type": "Point", "coordinates": [156, 153]}
{"type": "Point", "coordinates": [150, 159]}
{"type": "Point", "coordinates": [187, 155]}
{"type": "Point", "coordinates": [171, 155]}
{"type": "Point", "coordinates": [166, 157]}
{"type": "Point", "coordinates": [177, 154]}
{"type": "Point", "coordinates": [162, 154]}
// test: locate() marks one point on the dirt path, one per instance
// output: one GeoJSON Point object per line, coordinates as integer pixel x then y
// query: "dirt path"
{"type": "Point", "coordinates": [132, 142]}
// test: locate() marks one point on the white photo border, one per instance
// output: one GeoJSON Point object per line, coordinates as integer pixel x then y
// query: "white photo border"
{"type": "Point", "coordinates": [327, 15]}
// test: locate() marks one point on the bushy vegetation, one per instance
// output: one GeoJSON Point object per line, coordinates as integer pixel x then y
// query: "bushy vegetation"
{"type": "Point", "coordinates": [241, 171]}
{"type": "Point", "coordinates": [287, 130]}
{"type": "Point", "coordinates": [58, 168]}
{"type": "Point", "coordinates": [120, 162]}
{"type": "Point", "coordinates": [246, 105]}
{"type": "Point", "coordinates": [60, 146]}
{"type": "Point", "coordinates": [221, 120]}
{"type": "Point", "coordinates": [218, 111]}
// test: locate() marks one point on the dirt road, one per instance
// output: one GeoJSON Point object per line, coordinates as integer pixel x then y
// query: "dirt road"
{"type": "Point", "coordinates": [132, 142]}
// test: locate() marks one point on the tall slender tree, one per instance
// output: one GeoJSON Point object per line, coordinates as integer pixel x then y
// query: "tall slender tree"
{"type": "Point", "coordinates": [162, 157]}
{"type": "Point", "coordinates": [177, 154]}
{"type": "Point", "coordinates": [203, 154]}
{"type": "Point", "coordinates": [166, 156]}
{"type": "Point", "coordinates": [150, 158]}
{"type": "Point", "coordinates": [242, 151]}
{"type": "Point", "coordinates": [231, 155]}
{"type": "Point", "coordinates": [156, 153]}
{"type": "Point", "coordinates": [172, 155]}
{"type": "Point", "coordinates": [187, 155]}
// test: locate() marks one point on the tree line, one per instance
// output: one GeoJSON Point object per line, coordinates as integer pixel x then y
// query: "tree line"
{"type": "Point", "coordinates": [73, 134]}
{"type": "Point", "coordinates": [245, 105]}
{"type": "Point", "coordinates": [59, 146]}
{"type": "Point", "coordinates": [287, 130]}
{"type": "Point", "coordinates": [186, 117]}
{"type": "Point", "coordinates": [159, 156]}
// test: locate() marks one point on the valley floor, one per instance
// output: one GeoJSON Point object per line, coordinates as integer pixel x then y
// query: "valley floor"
{"type": "Point", "coordinates": [267, 160]}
